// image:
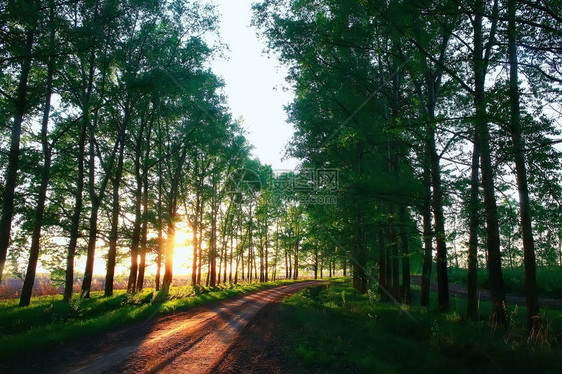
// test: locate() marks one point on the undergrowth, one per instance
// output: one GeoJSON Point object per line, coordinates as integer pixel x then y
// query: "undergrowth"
{"type": "Point", "coordinates": [336, 329]}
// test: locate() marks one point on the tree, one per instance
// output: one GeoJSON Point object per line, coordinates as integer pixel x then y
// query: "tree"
{"type": "Point", "coordinates": [20, 47]}
{"type": "Point", "coordinates": [45, 170]}
{"type": "Point", "coordinates": [480, 66]}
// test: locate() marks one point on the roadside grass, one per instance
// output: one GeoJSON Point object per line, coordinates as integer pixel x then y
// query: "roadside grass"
{"type": "Point", "coordinates": [335, 329]}
{"type": "Point", "coordinates": [49, 320]}
{"type": "Point", "coordinates": [549, 279]}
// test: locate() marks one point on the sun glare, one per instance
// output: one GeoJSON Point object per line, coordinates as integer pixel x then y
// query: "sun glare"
{"type": "Point", "coordinates": [182, 238]}
{"type": "Point", "coordinates": [183, 252]}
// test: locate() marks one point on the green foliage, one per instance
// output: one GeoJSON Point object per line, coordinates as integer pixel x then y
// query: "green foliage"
{"type": "Point", "coordinates": [386, 91]}
{"type": "Point", "coordinates": [329, 335]}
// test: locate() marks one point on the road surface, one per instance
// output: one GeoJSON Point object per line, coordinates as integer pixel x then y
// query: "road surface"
{"type": "Point", "coordinates": [188, 342]}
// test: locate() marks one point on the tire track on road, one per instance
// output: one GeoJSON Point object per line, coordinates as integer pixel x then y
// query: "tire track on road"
{"type": "Point", "coordinates": [189, 342]}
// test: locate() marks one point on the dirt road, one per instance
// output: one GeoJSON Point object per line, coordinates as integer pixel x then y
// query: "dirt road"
{"type": "Point", "coordinates": [188, 342]}
{"type": "Point", "coordinates": [512, 298]}
{"type": "Point", "coordinates": [210, 338]}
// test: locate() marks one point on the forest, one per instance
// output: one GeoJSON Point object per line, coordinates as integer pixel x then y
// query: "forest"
{"type": "Point", "coordinates": [428, 136]}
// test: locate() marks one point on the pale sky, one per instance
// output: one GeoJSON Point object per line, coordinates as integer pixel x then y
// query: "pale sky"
{"type": "Point", "coordinates": [254, 84]}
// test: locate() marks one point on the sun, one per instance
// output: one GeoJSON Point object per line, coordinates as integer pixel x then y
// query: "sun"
{"type": "Point", "coordinates": [181, 239]}
{"type": "Point", "coordinates": [183, 252]}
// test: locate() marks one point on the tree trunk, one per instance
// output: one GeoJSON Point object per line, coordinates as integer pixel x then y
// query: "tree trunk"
{"type": "Point", "coordinates": [158, 260]}
{"type": "Point", "coordinates": [160, 222]}
{"type": "Point", "coordinates": [225, 262]}
{"type": "Point", "coordinates": [406, 296]}
{"type": "Point", "coordinates": [195, 241]}
{"type": "Point", "coordinates": [316, 262]}
{"type": "Point", "coordinates": [395, 289]}
{"type": "Point", "coordinates": [472, 286]}
{"type": "Point", "coordinates": [45, 171]}
{"type": "Point", "coordinates": [144, 218]}
{"type": "Point", "coordinates": [144, 231]}
{"type": "Point", "coordinates": [290, 266]}
{"type": "Point", "coordinates": [560, 245]}
{"type": "Point", "coordinates": [200, 265]}
{"type": "Point", "coordinates": [388, 261]}
{"type": "Point", "coordinates": [493, 238]}
{"type": "Point", "coordinates": [133, 270]}
{"type": "Point", "coordinates": [359, 276]}
{"type": "Point", "coordinates": [427, 239]}
{"type": "Point", "coordinates": [96, 199]}
{"type": "Point", "coordinates": [296, 267]}
{"type": "Point", "coordinates": [266, 252]}
{"type": "Point", "coordinates": [250, 244]}
{"type": "Point", "coordinates": [115, 210]}
{"type": "Point", "coordinates": [213, 244]}
{"type": "Point", "coordinates": [441, 266]}
{"type": "Point", "coordinates": [236, 270]}
{"type": "Point", "coordinates": [75, 220]}
{"type": "Point", "coordinates": [241, 256]}
{"type": "Point", "coordinates": [231, 256]}
{"type": "Point", "coordinates": [169, 262]}
{"type": "Point", "coordinates": [171, 233]}
{"type": "Point", "coordinates": [262, 275]}
{"type": "Point", "coordinates": [93, 234]}
{"type": "Point", "coordinates": [383, 282]}
{"type": "Point", "coordinates": [533, 321]}
{"type": "Point", "coordinates": [287, 262]}
{"type": "Point", "coordinates": [225, 241]}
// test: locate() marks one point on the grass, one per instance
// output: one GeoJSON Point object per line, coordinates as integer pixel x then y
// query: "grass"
{"type": "Point", "coordinates": [335, 329]}
{"type": "Point", "coordinates": [549, 279]}
{"type": "Point", "coordinates": [49, 320]}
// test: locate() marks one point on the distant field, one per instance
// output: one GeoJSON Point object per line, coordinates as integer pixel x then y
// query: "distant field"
{"type": "Point", "coordinates": [549, 279]}
{"type": "Point", "coordinates": [10, 288]}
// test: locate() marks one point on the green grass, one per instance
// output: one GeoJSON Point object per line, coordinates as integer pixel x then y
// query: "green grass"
{"type": "Point", "coordinates": [49, 320]}
{"type": "Point", "coordinates": [336, 329]}
{"type": "Point", "coordinates": [549, 279]}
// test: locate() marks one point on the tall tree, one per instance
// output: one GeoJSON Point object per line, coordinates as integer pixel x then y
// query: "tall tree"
{"type": "Point", "coordinates": [521, 175]}
{"type": "Point", "coordinates": [46, 168]}
{"type": "Point", "coordinates": [25, 15]}
{"type": "Point", "coordinates": [481, 60]}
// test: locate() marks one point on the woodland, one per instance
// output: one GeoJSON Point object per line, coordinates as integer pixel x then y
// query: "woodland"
{"type": "Point", "coordinates": [428, 135]}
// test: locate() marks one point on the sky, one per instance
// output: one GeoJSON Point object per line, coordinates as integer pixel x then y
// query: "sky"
{"type": "Point", "coordinates": [254, 84]}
